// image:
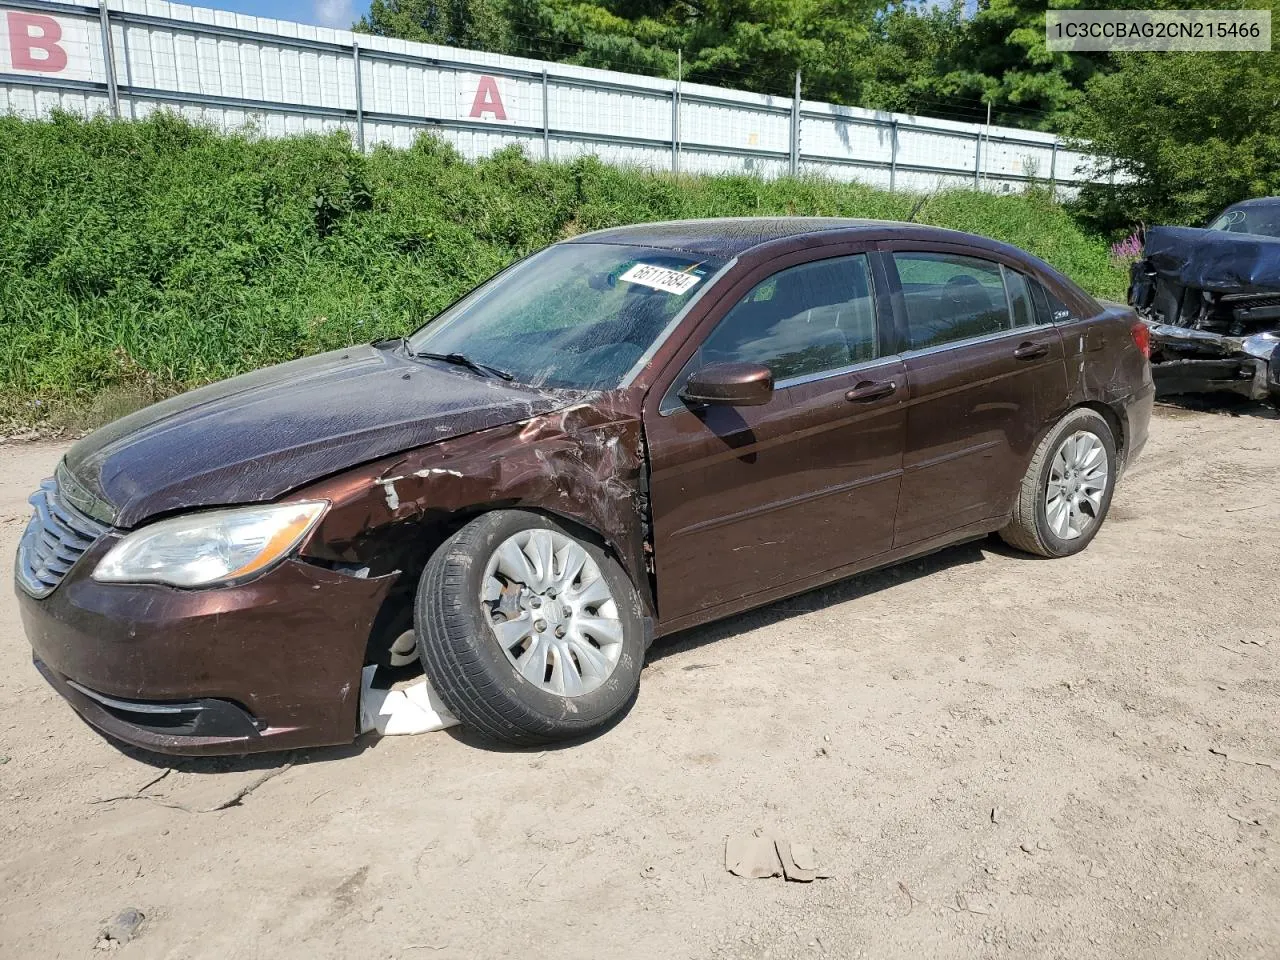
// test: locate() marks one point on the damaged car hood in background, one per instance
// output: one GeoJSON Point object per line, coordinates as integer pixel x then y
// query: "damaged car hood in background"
{"type": "Point", "coordinates": [1215, 259]}
{"type": "Point", "coordinates": [256, 437]}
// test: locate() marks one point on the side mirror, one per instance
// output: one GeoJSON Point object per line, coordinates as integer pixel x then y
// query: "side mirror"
{"type": "Point", "coordinates": [730, 384]}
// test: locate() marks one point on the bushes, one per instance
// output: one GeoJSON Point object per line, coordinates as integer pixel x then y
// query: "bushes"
{"type": "Point", "coordinates": [154, 256]}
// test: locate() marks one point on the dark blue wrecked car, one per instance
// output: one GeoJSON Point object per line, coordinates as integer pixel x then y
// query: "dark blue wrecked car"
{"type": "Point", "coordinates": [1211, 298]}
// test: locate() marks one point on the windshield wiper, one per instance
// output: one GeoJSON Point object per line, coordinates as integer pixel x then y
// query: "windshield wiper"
{"type": "Point", "coordinates": [462, 360]}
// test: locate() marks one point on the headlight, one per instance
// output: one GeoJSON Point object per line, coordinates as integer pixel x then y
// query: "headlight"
{"type": "Point", "coordinates": [211, 547]}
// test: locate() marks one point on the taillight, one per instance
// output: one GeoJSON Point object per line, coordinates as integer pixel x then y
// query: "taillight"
{"type": "Point", "coordinates": [1142, 338]}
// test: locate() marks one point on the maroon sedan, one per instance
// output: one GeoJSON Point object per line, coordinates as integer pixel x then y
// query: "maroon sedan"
{"type": "Point", "coordinates": [623, 435]}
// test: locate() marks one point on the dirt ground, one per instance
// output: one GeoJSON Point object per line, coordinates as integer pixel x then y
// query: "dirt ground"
{"type": "Point", "coordinates": [882, 720]}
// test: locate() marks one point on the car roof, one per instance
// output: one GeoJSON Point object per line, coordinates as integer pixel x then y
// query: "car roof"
{"type": "Point", "coordinates": [728, 237]}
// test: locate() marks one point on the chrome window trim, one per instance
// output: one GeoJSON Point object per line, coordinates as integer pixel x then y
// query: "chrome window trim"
{"type": "Point", "coordinates": [1008, 295]}
{"type": "Point", "coordinates": [665, 333]}
{"type": "Point", "coordinates": [665, 411]}
{"type": "Point", "coordinates": [971, 341]}
{"type": "Point", "coordinates": [828, 374]}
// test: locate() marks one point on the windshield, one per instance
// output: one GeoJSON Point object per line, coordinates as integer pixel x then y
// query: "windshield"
{"type": "Point", "coordinates": [576, 315]}
{"type": "Point", "coordinates": [1261, 221]}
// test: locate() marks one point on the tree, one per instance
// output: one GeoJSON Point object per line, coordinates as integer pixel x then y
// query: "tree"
{"type": "Point", "coordinates": [1188, 134]}
{"type": "Point", "coordinates": [911, 47]}
{"type": "Point", "coordinates": [474, 24]}
{"type": "Point", "coordinates": [1007, 62]}
{"type": "Point", "coordinates": [749, 44]}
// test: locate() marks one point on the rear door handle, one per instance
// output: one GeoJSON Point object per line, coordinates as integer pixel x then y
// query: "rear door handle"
{"type": "Point", "coordinates": [869, 390]}
{"type": "Point", "coordinates": [1031, 351]}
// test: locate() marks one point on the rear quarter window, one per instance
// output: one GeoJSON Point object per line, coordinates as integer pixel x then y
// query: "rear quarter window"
{"type": "Point", "coordinates": [1050, 306]}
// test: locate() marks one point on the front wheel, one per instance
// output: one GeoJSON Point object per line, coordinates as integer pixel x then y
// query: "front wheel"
{"type": "Point", "coordinates": [529, 632]}
{"type": "Point", "coordinates": [1066, 493]}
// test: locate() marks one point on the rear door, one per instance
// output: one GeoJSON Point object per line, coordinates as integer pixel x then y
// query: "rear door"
{"type": "Point", "coordinates": [745, 499]}
{"type": "Point", "coordinates": [983, 373]}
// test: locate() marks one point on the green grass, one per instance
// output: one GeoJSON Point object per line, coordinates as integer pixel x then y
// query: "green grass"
{"type": "Point", "coordinates": [142, 258]}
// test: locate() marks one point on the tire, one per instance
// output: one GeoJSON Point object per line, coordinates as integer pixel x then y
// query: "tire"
{"type": "Point", "coordinates": [1030, 528]}
{"type": "Point", "coordinates": [468, 665]}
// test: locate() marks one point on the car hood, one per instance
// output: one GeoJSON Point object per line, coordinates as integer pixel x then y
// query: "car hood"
{"type": "Point", "coordinates": [1214, 260]}
{"type": "Point", "coordinates": [255, 437]}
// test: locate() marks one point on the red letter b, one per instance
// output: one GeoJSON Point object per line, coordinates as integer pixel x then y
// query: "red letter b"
{"type": "Point", "coordinates": [29, 32]}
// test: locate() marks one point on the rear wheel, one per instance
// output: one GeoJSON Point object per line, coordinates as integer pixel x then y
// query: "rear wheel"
{"type": "Point", "coordinates": [1066, 493]}
{"type": "Point", "coordinates": [527, 631]}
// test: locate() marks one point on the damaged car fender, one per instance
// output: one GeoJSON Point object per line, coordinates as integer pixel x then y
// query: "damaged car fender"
{"type": "Point", "coordinates": [583, 463]}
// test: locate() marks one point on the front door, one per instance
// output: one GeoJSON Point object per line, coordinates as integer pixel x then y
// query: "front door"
{"type": "Point", "coordinates": [983, 374]}
{"type": "Point", "coordinates": [745, 499]}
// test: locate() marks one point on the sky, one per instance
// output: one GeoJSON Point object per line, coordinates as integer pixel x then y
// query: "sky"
{"type": "Point", "coordinates": [325, 13]}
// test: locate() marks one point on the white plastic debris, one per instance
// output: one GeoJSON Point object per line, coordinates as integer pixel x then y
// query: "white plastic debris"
{"type": "Point", "coordinates": [404, 650]}
{"type": "Point", "coordinates": [394, 713]}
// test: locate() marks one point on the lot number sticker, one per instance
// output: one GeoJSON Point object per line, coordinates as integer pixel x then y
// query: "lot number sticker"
{"type": "Point", "coordinates": [660, 278]}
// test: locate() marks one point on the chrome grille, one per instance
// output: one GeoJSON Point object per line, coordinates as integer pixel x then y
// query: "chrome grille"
{"type": "Point", "coordinates": [57, 536]}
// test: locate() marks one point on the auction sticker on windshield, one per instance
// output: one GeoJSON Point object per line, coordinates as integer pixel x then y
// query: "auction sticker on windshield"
{"type": "Point", "coordinates": [660, 278]}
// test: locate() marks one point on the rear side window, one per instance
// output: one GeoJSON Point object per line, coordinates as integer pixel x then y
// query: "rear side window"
{"type": "Point", "coordinates": [951, 297]}
{"type": "Point", "coordinates": [801, 321]}
{"type": "Point", "coordinates": [1024, 311]}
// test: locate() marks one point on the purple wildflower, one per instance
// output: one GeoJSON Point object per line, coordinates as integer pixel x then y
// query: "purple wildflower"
{"type": "Point", "coordinates": [1127, 250]}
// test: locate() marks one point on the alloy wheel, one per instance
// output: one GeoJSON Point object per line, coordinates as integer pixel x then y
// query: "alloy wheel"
{"type": "Point", "coordinates": [1078, 479]}
{"type": "Point", "coordinates": [552, 612]}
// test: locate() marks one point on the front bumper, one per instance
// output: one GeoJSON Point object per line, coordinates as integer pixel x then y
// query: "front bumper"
{"type": "Point", "coordinates": [272, 664]}
{"type": "Point", "coordinates": [1197, 361]}
{"type": "Point", "coordinates": [1245, 377]}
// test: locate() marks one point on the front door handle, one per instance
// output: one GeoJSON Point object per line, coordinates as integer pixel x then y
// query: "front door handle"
{"type": "Point", "coordinates": [869, 390]}
{"type": "Point", "coordinates": [1031, 351]}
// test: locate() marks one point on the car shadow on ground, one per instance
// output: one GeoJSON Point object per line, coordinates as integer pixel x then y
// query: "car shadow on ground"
{"type": "Point", "coordinates": [244, 762]}
{"type": "Point", "coordinates": [471, 738]}
{"type": "Point", "coordinates": [861, 585]}
{"type": "Point", "coordinates": [842, 591]}
{"type": "Point", "coordinates": [1222, 404]}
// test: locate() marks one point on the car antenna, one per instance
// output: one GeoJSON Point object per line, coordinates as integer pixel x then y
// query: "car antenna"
{"type": "Point", "coordinates": [915, 211]}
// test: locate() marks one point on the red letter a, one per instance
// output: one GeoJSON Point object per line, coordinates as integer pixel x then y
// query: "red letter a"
{"type": "Point", "coordinates": [488, 99]}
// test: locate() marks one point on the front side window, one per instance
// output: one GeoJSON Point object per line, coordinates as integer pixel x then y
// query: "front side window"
{"type": "Point", "coordinates": [951, 297]}
{"type": "Point", "coordinates": [575, 315]}
{"type": "Point", "coordinates": [804, 320]}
